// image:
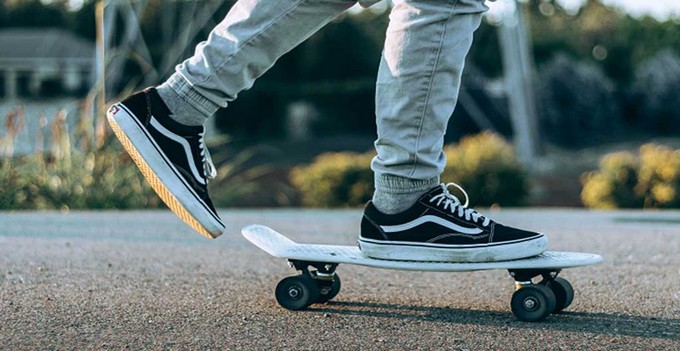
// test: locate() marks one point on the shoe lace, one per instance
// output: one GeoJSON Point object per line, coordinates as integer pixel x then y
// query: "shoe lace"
{"type": "Point", "coordinates": [209, 169]}
{"type": "Point", "coordinates": [449, 201]}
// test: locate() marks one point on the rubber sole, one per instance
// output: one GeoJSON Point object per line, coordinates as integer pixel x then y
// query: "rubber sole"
{"type": "Point", "coordinates": [407, 251]}
{"type": "Point", "coordinates": [160, 176]}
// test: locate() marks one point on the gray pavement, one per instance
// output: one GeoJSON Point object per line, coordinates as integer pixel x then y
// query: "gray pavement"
{"type": "Point", "coordinates": [142, 280]}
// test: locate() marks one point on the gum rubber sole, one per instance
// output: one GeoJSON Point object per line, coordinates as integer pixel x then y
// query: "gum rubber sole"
{"type": "Point", "coordinates": [161, 190]}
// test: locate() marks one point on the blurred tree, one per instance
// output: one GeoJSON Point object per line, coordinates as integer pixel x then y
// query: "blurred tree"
{"type": "Point", "coordinates": [34, 13]}
{"type": "Point", "coordinates": [577, 102]}
{"type": "Point", "coordinates": [334, 71]}
{"type": "Point", "coordinates": [3, 14]}
{"type": "Point", "coordinates": [38, 14]}
{"type": "Point", "coordinates": [655, 93]}
{"type": "Point", "coordinates": [83, 21]}
{"type": "Point", "coordinates": [485, 51]}
{"type": "Point", "coordinates": [610, 42]}
{"type": "Point", "coordinates": [604, 35]}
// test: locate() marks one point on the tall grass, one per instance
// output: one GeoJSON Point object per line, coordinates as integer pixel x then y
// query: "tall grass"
{"type": "Point", "coordinates": [87, 169]}
{"type": "Point", "coordinates": [88, 172]}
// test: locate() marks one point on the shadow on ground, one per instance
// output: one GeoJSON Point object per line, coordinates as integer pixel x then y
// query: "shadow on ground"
{"type": "Point", "coordinates": [596, 323]}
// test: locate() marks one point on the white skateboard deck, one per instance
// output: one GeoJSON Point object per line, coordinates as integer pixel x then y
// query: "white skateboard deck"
{"type": "Point", "coordinates": [278, 245]}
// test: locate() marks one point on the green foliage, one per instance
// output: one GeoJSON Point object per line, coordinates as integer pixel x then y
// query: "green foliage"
{"type": "Point", "coordinates": [335, 179]}
{"type": "Point", "coordinates": [105, 178]}
{"type": "Point", "coordinates": [613, 185]}
{"type": "Point", "coordinates": [486, 167]}
{"type": "Point", "coordinates": [334, 71]}
{"type": "Point", "coordinates": [33, 13]}
{"type": "Point", "coordinates": [42, 14]}
{"type": "Point", "coordinates": [656, 87]}
{"type": "Point", "coordinates": [237, 178]}
{"type": "Point", "coordinates": [627, 41]}
{"type": "Point", "coordinates": [95, 173]}
{"type": "Point", "coordinates": [96, 180]}
{"type": "Point", "coordinates": [650, 179]}
{"type": "Point", "coordinates": [101, 179]}
{"type": "Point", "coordinates": [577, 102]}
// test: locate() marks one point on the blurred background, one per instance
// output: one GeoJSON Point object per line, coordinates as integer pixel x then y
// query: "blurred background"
{"type": "Point", "coordinates": [564, 103]}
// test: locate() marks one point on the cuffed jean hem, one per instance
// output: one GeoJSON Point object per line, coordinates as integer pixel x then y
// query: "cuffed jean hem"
{"type": "Point", "coordinates": [396, 185]}
{"type": "Point", "coordinates": [187, 92]}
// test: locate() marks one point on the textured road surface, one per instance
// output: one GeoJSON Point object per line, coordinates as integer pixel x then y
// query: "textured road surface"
{"type": "Point", "coordinates": [142, 280]}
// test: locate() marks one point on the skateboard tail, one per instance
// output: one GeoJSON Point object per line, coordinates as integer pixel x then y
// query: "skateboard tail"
{"type": "Point", "coordinates": [268, 240]}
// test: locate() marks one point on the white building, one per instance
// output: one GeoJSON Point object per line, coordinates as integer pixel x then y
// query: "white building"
{"type": "Point", "coordinates": [34, 61]}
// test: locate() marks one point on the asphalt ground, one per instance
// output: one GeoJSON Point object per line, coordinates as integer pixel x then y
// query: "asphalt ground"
{"type": "Point", "coordinates": [142, 280]}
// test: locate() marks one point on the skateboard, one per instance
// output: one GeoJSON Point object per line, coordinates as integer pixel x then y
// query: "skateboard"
{"type": "Point", "coordinates": [318, 281]}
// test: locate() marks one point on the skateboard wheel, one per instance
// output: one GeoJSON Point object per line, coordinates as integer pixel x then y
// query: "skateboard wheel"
{"type": "Point", "coordinates": [297, 292]}
{"type": "Point", "coordinates": [564, 293]}
{"type": "Point", "coordinates": [333, 292]}
{"type": "Point", "coordinates": [533, 303]}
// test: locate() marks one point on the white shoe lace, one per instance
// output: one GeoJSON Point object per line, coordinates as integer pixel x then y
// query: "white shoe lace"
{"type": "Point", "coordinates": [453, 204]}
{"type": "Point", "coordinates": [209, 169]}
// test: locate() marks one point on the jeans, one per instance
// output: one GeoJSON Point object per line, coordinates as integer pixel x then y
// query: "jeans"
{"type": "Point", "coordinates": [418, 79]}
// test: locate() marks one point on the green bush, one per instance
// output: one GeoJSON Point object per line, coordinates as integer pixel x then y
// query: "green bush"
{"type": "Point", "coordinates": [613, 186]}
{"type": "Point", "coordinates": [335, 179]}
{"type": "Point", "coordinates": [649, 179]}
{"type": "Point", "coordinates": [577, 102]}
{"type": "Point", "coordinates": [88, 169]}
{"type": "Point", "coordinates": [484, 165]}
{"type": "Point", "coordinates": [656, 86]}
{"type": "Point", "coordinates": [92, 173]}
{"type": "Point", "coordinates": [96, 180]}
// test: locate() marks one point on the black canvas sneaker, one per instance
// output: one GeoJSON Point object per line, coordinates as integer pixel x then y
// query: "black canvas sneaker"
{"type": "Point", "coordinates": [439, 228]}
{"type": "Point", "coordinates": [172, 157]}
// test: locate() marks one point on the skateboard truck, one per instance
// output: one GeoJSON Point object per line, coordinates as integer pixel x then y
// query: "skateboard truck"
{"type": "Point", "coordinates": [317, 285]}
{"type": "Point", "coordinates": [525, 277]}
{"type": "Point", "coordinates": [533, 302]}
{"type": "Point", "coordinates": [322, 268]}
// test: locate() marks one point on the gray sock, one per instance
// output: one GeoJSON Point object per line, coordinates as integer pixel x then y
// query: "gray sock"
{"type": "Point", "coordinates": [395, 194]}
{"type": "Point", "coordinates": [182, 111]}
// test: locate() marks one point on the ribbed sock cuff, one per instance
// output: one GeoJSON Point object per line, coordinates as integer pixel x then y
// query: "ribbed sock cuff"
{"type": "Point", "coordinates": [396, 185]}
{"type": "Point", "coordinates": [185, 91]}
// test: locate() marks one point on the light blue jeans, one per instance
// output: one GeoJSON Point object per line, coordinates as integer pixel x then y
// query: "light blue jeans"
{"type": "Point", "coordinates": [417, 85]}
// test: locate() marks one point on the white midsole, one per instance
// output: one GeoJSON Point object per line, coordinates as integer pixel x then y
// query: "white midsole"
{"type": "Point", "coordinates": [165, 171]}
{"type": "Point", "coordinates": [404, 251]}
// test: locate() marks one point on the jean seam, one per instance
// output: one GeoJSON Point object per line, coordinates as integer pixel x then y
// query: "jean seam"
{"type": "Point", "coordinates": [429, 89]}
{"type": "Point", "coordinates": [184, 89]}
{"type": "Point", "coordinates": [246, 43]}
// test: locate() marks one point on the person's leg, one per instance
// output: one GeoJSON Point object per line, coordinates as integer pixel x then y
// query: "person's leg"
{"type": "Point", "coordinates": [417, 89]}
{"type": "Point", "coordinates": [240, 49]}
{"type": "Point", "coordinates": [162, 129]}
{"type": "Point", "coordinates": [411, 217]}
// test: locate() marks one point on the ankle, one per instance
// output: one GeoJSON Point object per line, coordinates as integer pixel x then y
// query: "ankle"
{"type": "Point", "coordinates": [395, 194]}
{"type": "Point", "coordinates": [181, 110]}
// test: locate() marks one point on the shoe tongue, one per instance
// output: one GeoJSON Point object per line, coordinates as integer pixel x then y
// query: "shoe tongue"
{"type": "Point", "coordinates": [434, 191]}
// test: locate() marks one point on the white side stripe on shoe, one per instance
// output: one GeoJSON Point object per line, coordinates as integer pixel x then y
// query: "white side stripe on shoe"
{"type": "Point", "coordinates": [429, 218]}
{"type": "Point", "coordinates": [185, 146]}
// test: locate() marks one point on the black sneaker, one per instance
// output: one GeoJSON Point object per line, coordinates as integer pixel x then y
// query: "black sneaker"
{"type": "Point", "coordinates": [172, 157]}
{"type": "Point", "coordinates": [439, 228]}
